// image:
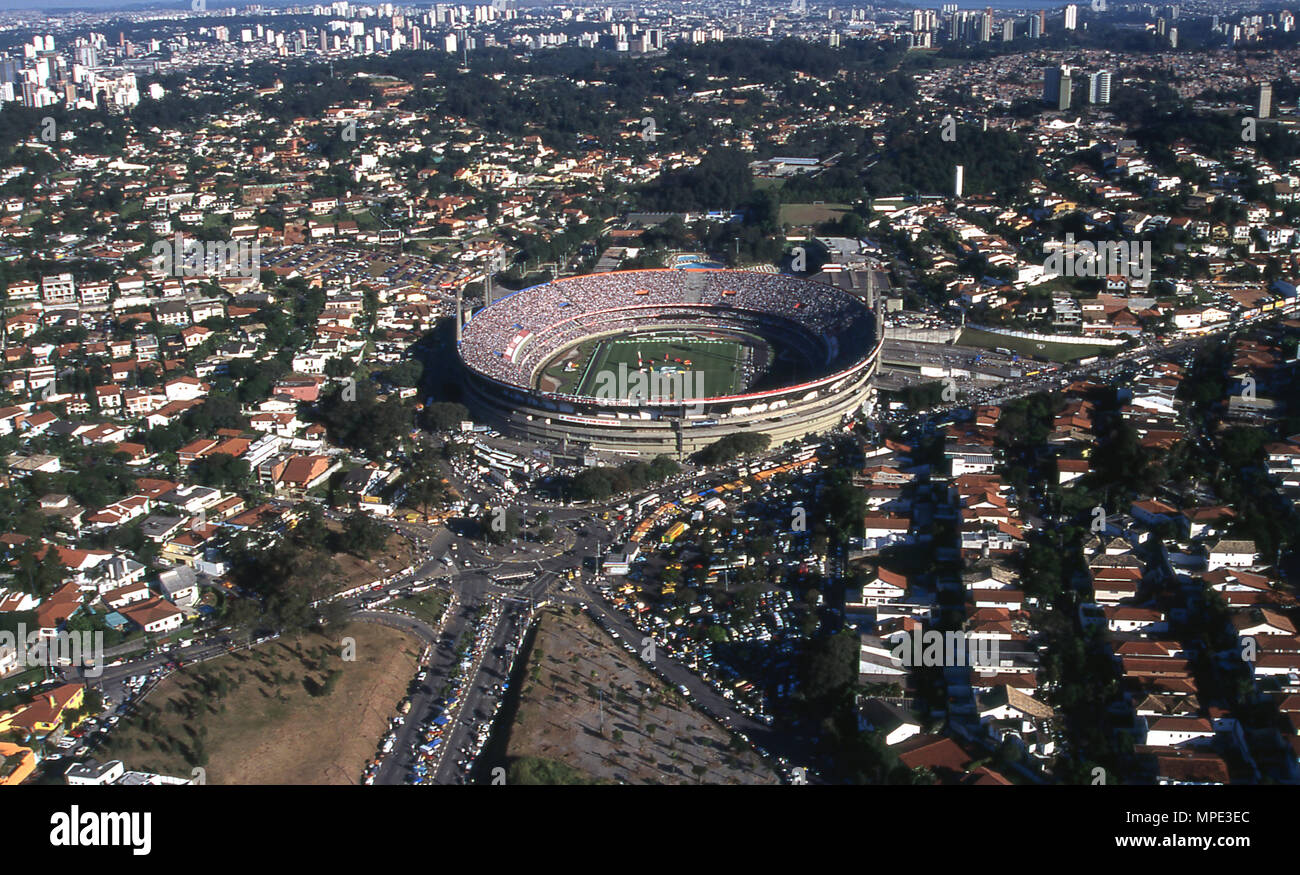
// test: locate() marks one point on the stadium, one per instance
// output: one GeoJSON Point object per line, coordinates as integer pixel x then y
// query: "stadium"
{"type": "Point", "coordinates": [645, 362]}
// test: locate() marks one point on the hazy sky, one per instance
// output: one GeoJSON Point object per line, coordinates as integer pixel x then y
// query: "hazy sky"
{"type": "Point", "coordinates": [97, 5]}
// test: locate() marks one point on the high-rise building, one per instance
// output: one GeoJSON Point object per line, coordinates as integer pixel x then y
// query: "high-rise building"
{"type": "Point", "coordinates": [1264, 108]}
{"type": "Point", "coordinates": [957, 25]}
{"type": "Point", "coordinates": [986, 26]}
{"type": "Point", "coordinates": [1056, 87]}
{"type": "Point", "coordinates": [1099, 87]}
{"type": "Point", "coordinates": [1173, 37]}
{"type": "Point", "coordinates": [1071, 17]}
{"type": "Point", "coordinates": [1008, 30]}
{"type": "Point", "coordinates": [1038, 24]}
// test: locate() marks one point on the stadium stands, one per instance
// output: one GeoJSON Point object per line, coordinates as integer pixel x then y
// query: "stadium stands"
{"type": "Point", "coordinates": [507, 345]}
{"type": "Point", "coordinates": [519, 333]}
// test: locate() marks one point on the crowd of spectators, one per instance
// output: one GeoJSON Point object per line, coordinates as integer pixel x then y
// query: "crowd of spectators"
{"type": "Point", "coordinates": [518, 333]}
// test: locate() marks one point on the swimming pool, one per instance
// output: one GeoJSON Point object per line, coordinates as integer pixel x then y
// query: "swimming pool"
{"type": "Point", "coordinates": [695, 262]}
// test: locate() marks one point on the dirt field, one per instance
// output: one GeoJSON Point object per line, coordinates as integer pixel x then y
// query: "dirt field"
{"type": "Point", "coordinates": [812, 214]}
{"type": "Point", "coordinates": [651, 736]}
{"type": "Point", "coordinates": [278, 721]}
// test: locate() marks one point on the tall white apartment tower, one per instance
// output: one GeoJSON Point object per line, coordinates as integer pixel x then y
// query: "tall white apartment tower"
{"type": "Point", "coordinates": [1099, 87]}
{"type": "Point", "coordinates": [1265, 107]}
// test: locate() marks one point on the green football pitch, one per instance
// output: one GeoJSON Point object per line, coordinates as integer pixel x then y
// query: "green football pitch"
{"type": "Point", "coordinates": [722, 363]}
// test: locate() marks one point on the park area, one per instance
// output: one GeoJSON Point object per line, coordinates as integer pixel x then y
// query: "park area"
{"type": "Point", "coordinates": [591, 712]}
{"type": "Point", "coordinates": [291, 711]}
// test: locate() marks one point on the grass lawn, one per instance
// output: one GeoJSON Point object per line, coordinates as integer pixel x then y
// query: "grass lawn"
{"type": "Point", "coordinates": [426, 605]}
{"type": "Point", "coordinates": [718, 361]}
{"type": "Point", "coordinates": [13, 681]}
{"type": "Point", "coordinates": [271, 715]}
{"type": "Point", "coordinates": [1057, 352]}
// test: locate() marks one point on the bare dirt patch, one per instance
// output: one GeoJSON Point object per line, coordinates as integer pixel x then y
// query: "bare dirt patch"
{"type": "Point", "coordinates": [353, 572]}
{"type": "Point", "coordinates": [651, 735]}
{"type": "Point", "coordinates": [272, 715]}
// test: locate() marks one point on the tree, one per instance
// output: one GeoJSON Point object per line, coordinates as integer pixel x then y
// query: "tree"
{"type": "Point", "coordinates": [357, 419]}
{"type": "Point", "coordinates": [221, 471]}
{"type": "Point", "coordinates": [334, 613]}
{"type": "Point", "coordinates": [217, 411]}
{"type": "Point", "coordinates": [424, 490]}
{"type": "Point", "coordinates": [406, 373]}
{"type": "Point", "coordinates": [731, 446]}
{"type": "Point", "coordinates": [444, 416]}
{"type": "Point", "coordinates": [362, 535]}
{"type": "Point", "coordinates": [39, 575]}
{"type": "Point", "coordinates": [829, 667]}
{"type": "Point", "coordinates": [500, 525]}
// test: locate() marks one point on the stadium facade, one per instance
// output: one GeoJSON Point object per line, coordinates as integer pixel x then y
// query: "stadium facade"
{"type": "Point", "coordinates": [508, 347]}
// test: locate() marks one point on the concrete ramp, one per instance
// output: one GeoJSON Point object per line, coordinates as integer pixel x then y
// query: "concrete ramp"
{"type": "Point", "coordinates": [694, 283]}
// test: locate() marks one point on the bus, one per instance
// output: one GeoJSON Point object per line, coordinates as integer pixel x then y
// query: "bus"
{"type": "Point", "coordinates": [674, 532]}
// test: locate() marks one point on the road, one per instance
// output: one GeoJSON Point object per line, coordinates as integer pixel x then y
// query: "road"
{"type": "Point", "coordinates": [580, 532]}
{"type": "Point", "coordinates": [473, 717]}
